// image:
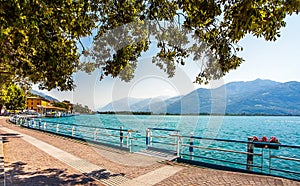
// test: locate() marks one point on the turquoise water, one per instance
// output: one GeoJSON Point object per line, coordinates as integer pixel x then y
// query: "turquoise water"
{"type": "Point", "coordinates": [286, 129]}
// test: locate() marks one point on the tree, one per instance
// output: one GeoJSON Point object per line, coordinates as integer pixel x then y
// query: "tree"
{"type": "Point", "coordinates": [216, 26]}
{"type": "Point", "coordinates": [13, 97]}
{"type": "Point", "coordinates": [38, 39]}
{"type": "Point", "coordinates": [82, 109]}
{"type": "Point", "coordinates": [60, 104]}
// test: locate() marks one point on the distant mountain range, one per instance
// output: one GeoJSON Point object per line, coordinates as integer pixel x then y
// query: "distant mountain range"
{"type": "Point", "coordinates": [261, 97]}
{"type": "Point", "coordinates": [44, 95]}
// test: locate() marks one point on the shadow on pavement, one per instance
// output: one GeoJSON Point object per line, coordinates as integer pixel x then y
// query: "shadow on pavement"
{"type": "Point", "coordinates": [17, 176]}
{"type": "Point", "coordinates": [6, 136]}
{"type": "Point", "coordinates": [103, 174]}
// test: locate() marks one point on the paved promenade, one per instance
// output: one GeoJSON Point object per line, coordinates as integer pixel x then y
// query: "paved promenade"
{"type": "Point", "coordinates": [37, 158]}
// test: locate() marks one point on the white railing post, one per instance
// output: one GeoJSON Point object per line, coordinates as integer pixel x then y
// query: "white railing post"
{"type": "Point", "coordinates": [150, 137]}
{"type": "Point", "coordinates": [130, 142]}
{"type": "Point", "coordinates": [178, 145]}
{"type": "Point", "coordinates": [191, 147]}
{"type": "Point", "coordinates": [250, 153]}
{"type": "Point", "coordinates": [95, 134]}
{"type": "Point", "coordinates": [127, 140]}
{"type": "Point", "coordinates": [57, 128]}
{"type": "Point", "coordinates": [147, 137]}
{"type": "Point", "coordinates": [73, 131]}
{"type": "Point", "coordinates": [34, 123]}
{"type": "Point", "coordinates": [121, 136]}
{"type": "Point", "coordinates": [26, 123]}
{"type": "Point", "coordinates": [176, 141]}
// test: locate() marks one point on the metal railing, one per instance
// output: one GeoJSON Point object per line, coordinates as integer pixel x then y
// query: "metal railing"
{"type": "Point", "coordinates": [244, 156]}
{"type": "Point", "coordinates": [237, 155]}
{"type": "Point", "coordinates": [162, 138]}
{"type": "Point", "coordinates": [284, 159]}
{"type": "Point", "coordinates": [113, 137]}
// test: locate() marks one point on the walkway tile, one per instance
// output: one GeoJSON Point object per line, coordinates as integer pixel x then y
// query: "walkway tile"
{"type": "Point", "coordinates": [155, 176]}
{"type": "Point", "coordinates": [87, 168]}
{"type": "Point", "coordinates": [99, 173]}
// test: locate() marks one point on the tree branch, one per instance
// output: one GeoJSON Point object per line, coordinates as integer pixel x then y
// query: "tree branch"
{"type": "Point", "coordinates": [83, 48]}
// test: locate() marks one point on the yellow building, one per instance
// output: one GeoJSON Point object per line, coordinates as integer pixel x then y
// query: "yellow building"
{"type": "Point", "coordinates": [45, 107]}
{"type": "Point", "coordinates": [34, 103]}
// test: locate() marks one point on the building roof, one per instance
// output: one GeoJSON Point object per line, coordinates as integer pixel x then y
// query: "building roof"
{"type": "Point", "coordinates": [52, 107]}
{"type": "Point", "coordinates": [34, 97]}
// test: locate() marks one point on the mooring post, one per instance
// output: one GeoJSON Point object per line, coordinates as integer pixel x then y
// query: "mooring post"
{"type": "Point", "coordinates": [121, 136]}
{"type": "Point", "coordinates": [250, 153]}
{"type": "Point", "coordinates": [40, 121]}
{"type": "Point", "coordinates": [45, 125]}
{"type": "Point", "coordinates": [191, 148]}
{"type": "Point", "coordinates": [147, 137]}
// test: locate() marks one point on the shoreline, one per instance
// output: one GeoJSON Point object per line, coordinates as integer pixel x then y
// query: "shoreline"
{"type": "Point", "coordinates": [201, 114]}
{"type": "Point", "coordinates": [31, 166]}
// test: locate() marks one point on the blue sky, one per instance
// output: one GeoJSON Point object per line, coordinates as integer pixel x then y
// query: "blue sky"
{"type": "Point", "coordinates": [278, 61]}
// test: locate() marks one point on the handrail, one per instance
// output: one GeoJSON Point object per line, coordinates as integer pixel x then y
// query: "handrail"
{"type": "Point", "coordinates": [91, 126]}
{"type": "Point", "coordinates": [83, 132]}
{"type": "Point", "coordinates": [286, 158]}
{"type": "Point", "coordinates": [215, 159]}
{"type": "Point", "coordinates": [166, 143]}
{"type": "Point", "coordinates": [164, 129]}
{"type": "Point", "coordinates": [159, 136]}
{"type": "Point", "coordinates": [184, 145]}
{"type": "Point", "coordinates": [286, 171]}
{"type": "Point", "coordinates": [223, 150]}
{"type": "Point", "coordinates": [215, 139]}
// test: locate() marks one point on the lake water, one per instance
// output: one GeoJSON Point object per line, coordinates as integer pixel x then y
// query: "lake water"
{"type": "Point", "coordinates": [285, 128]}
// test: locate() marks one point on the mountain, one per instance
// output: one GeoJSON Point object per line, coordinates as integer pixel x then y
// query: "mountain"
{"type": "Point", "coordinates": [44, 95]}
{"type": "Point", "coordinates": [281, 99]}
{"type": "Point", "coordinates": [124, 104]}
{"type": "Point", "coordinates": [154, 105]}
{"type": "Point", "coordinates": [159, 105]}
{"type": "Point", "coordinates": [252, 97]}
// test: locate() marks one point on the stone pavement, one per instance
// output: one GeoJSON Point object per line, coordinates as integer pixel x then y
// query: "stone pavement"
{"type": "Point", "coordinates": [95, 171]}
{"type": "Point", "coordinates": [154, 177]}
{"type": "Point", "coordinates": [168, 174]}
{"type": "Point", "coordinates": [2, 176]}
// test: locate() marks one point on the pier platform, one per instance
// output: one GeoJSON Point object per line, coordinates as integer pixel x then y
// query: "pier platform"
{"type": "Point", "coordinates": [38, 158]}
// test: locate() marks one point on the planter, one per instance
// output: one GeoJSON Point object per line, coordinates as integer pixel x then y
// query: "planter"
{"type": "Point", "coordinates": [268, 145]}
